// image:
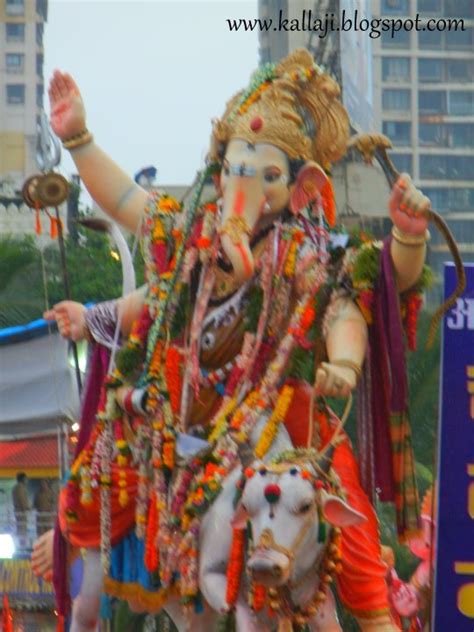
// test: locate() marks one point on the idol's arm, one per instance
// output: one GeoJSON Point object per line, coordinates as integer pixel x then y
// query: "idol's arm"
{"type": "Point", "coordinates": [346, 345]}
{"type": "Point", "coordinates": [71, 318]}
{"type": "Point", "coordinates": [408, 208]}
{"type": "Point", "coordinates": [111, 188]}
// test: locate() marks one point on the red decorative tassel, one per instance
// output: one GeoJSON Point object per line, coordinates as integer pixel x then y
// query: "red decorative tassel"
{"type": "Point", "coordinates": [53, 228]}
{"type": "Point", "coordinates": [329, 203]}
{"type": "Point", "coordinates": [7, 617]}
{"type": "Point", "coordinates": [38, 221]}
{"type": "Point", "coordinates": [259, 597]}
{"type": "Point", "coordinates": [235, 566]}
{"type": "Point", "coordinates": [413, 306]}
{"type": "Point", "coordinates": [151, 551]}
{"type": "Point", "coordinates": [60, 627]}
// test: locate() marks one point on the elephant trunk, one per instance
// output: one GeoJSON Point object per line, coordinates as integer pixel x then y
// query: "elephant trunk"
{"type": "Point", "coordinates": [243, 202]}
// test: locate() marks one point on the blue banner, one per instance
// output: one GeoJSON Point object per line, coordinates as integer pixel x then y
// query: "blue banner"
{"type": "Point", "coordinates": [454, 585]}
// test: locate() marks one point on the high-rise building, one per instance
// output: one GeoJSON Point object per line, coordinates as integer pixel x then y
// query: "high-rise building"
{"type": "Point", "coordinates": [422, 95]}
{"type": "Point", "coordinates": [424, 102]}
{"type": "Point", "coordinates": [21, 85]}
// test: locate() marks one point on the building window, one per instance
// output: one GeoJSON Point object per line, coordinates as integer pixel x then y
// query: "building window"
{"type": "Point", "coordinates": [461, 135]}
{"type": "Point", "coordinates": [14, 63]}
{"type": "Point", "coordinates": [39, 95]}
{"type": "Point", "coordinates": [451, 200]}
{"type": "Point", "coordinates": [398, 132]}
{"type": "Point", "coordinates": [39, 33]}
{"type": "Point", "coordinates": [15, 32]}
{"type": "Point", "coordinates": [461, 103]}
{"type": "Point", "coordinates": [432, 102]}
{"type": "Point", "coordinates": [460, 70]}
{"type": "Point", "coordinates": [429, 7]}
{"type": "Point", "coordinates": [42, 9]}
{"type": "Point", "coordinates": [400, 39]}
{"type": "Point", "coordinates": [15, 94]}
{"type": "Point", "coordinates": [39, 64]}
{"type": "Point", "coordinates": [432, 135]}
{"type": "Point", "coordinates": [454, 135]}
{"type": "Point", "coordinates": [396, 100]}
{"type": "Point", "coordinates": [403, 162]}
{"type": "Point", "coordinates": [430, 70]}
{"type": "Point", "coordinates": [395, 7]}
{"type": "Point", "coordinates": [396, 68]}
{"type": "Point", "coordinates": [446, 167]}
{"type": "Point", "coordinates": [458, 8]}
{"type": "Point", "coordinates": [431, 40]}
{"type": "Point", "coordinates": [15, 7]}
{"type": "Point", "coordinates": [459, 40]}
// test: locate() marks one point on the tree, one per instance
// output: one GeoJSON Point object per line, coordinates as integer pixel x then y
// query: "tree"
{"type": "Point", "coordinates": [32, 280]}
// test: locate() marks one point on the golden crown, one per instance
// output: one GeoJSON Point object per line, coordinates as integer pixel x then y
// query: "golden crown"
{"type": "Point", "coordinates": [293, 105]}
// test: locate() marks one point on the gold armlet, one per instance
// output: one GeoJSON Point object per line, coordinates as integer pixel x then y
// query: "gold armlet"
{"type": "Point", "coordinates": [84, 138]}
{"type": "Point", "coordinates": [349, 365]}
{"type": "Point", "coordinates": [410, 240]}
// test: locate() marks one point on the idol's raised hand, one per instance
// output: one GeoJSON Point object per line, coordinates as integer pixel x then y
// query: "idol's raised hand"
{"type": "Point", "coordinates": [408, 207]}
{"type": "Point", "coordinates": [68, 115]}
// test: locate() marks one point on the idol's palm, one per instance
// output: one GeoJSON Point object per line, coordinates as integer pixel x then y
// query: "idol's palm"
{"type": "Point", "coordinates": [68, 115]}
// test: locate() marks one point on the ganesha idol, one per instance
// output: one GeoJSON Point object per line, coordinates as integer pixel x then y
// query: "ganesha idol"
{"type": "Point", "coordinates": [256, 308]}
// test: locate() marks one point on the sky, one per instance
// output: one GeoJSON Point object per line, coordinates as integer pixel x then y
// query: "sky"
{"type": "Point", "coordinates": [152, 75]}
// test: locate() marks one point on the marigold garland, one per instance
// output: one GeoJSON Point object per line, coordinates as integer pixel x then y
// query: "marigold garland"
{"type": "Point", "coordinates": [235, 566]}
{"type": "Point", "coordinates": [277, 417]}
{"type": "Point", "coordinates": [173, 377]}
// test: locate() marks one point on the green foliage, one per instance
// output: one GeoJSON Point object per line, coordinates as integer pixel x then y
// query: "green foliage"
{"type": "Point", "coordinates": [128, 360]}
{"type": "Point", "coordinates": [367, 265]}
{"type": "Point", "coordinates": [21, 295]}
{"type": "Point", "coordinates": [94, 272]}
{"type": "Point", "coordinates": [254, 309]}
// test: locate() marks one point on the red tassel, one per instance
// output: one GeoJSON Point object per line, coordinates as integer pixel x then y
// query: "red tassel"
{"type": "Point", "coordinates": [54, 227]}
{"type": "Point", "coordinates": [329, 203]}
{"type": "Point", "coordinates": [7, 618]}
{"type": "Point", "coordinates": [60, 626]}
{"type": "Point", "coordinates": [38, 221]}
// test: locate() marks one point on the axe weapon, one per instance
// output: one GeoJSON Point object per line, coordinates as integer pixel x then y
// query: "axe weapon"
{"type": "Point", "coordinates": [375, 146]}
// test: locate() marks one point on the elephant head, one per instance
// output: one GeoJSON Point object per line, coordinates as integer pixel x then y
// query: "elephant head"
{"type": "Point", "coordinates": [271, 144]}
{"type": "Point", "coordinates": [257, 187]}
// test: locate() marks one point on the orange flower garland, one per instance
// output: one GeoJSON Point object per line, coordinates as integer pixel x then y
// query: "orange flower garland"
{"type": "Point", "coordinates": [151, 551]}
{"type": "Point", "coordinates": [235, 566]}
{"type": "Point", "coordinates": [173, 378]}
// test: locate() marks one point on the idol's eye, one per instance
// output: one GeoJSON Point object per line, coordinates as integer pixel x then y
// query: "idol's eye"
{"type": "Point", "coordinates": [272, 174]}
{"type": "Point", "coordinates": [304, 507]}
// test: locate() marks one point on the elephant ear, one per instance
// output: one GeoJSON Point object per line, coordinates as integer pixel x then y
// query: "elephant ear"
{"type": "Point", "coordinates": [310, 183]}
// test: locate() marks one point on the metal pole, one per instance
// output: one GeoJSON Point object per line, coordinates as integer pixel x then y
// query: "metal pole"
{"type": "Point", "coordinates": [67, 290]}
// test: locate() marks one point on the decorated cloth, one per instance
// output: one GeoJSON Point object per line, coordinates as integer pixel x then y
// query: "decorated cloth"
{"type": "Point", "coordinates": [101, 320]}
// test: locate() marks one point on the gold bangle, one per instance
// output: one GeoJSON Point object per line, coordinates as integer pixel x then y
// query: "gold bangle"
{"type": "Point", "coordinates": [84, 138]}
{"type": "Point", "coordinates": [349, 365]}
{"type": "Point", "coordinates": [410, 240]}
